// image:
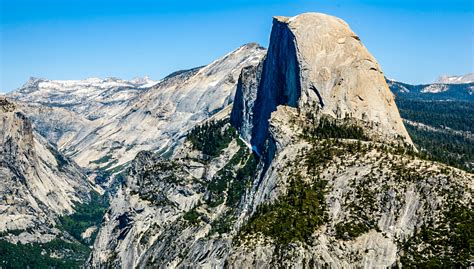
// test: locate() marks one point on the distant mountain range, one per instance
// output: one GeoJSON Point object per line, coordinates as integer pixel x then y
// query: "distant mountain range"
{"type": "Point", "coordinates": [439, 119]}
{"type": "Point", "coordinates": [302, 155]}
{"type": "Point", "coordinates": [436, 91]}
{"type": "Point", "coordinates": [115, 119]}
{"type": "Point", "coordinates": [467, 78]}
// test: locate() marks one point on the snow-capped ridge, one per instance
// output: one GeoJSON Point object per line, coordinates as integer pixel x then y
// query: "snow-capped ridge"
{"type": "Point", "coordinates": [117, 118]}
{"type": "Point", "coordinates": [37, 84]}
{"type": "Point", "coordinates": [467, 78]}
{"type": "Point", "coordinates": [435, 91]}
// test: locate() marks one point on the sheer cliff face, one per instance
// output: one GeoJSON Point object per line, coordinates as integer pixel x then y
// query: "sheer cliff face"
{"type": "Point", "coordinates": [316, 59]}
{"type": "Point", "coordinates": [242, 115]}
{"type": "Point", "coordinates": [279, 82]}
{"type": "Point", "coordinates": [37, 183]}
{"type": "Point", "coordinates": [328, 195]}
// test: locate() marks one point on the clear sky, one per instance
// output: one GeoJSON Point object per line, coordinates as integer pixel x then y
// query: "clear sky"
{"type": "Point", "coordinates": [413, 40]}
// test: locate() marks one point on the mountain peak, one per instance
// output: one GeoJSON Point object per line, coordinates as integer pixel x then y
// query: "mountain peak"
{"type": "Point", "coordinates": [252, 45]}
{"type": "Point", "coordinates": [32, 82]}
{"type": "Point", "coordinates": [316, 59]}
{"type": "Point", "coordinates": [310, 17]}
{"type": "Point", "coordinates": [467, 78]}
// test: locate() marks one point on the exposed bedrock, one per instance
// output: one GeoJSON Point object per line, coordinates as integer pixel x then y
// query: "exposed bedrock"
{"type": "Point", "coordinates": [315, 59]}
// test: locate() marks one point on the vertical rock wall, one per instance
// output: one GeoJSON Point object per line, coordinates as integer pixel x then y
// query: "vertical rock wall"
{"type": "Point", "coordinates": [316, 59]}
{"type": "Point", "coordinates": [279, 82]}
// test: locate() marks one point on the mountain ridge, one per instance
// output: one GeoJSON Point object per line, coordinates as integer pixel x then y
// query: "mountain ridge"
{"type": "Point", "coordinates": [434, 91]}
{"type": "Point", "coordinates": [39, 184]}
{"type": "Point", "coordinates": [322, 190]}
{"type": "Point", "coordinates": [295, 156]}
{"type": "Point", "coordinates": [466, 78]}
{"type": "Point", "coordinates": [111, 133]}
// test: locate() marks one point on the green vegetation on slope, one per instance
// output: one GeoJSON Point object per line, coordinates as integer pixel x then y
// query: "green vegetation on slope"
{"type": "Point", "coordinates": [85, 216]}
{"type": "Point", "coordinates": [453, 114]}
{"type": "Point", "coordinates": [58, 253]}
{"type": "Point", "coordinates": [445, 244]}
{"type": "Point", "coordinates": [242, 181]}
{"type": "Point", "coordinates": [329, 128]}
{"type": "Point", "coordinates": [192, 216]}
{"type": "Point", "coordinates": [295, 216]}
{"type": "Point", "coordinates": [234, 178]}
{"type": "Point", "coordinates": [450, 148]}
{"type": "Point", "coordinates": [453, 142]}
{"type": "Point", "coordinates": [350, 230]}
{"type": "Point", "coordinates": [234, 184]}
{"type": "Point", "coordinates": [231, 182]}
{"type": "Point", "coordinates": [212, 137]}
{"type": "Point", "coordinates": [38, 255]}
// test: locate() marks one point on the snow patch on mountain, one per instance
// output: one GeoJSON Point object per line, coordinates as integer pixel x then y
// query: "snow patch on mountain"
{"type": "Point", "coordinates": [467, 78]}
{"type": "Point", "coordinates": [114, 119]}
{"type": "Point", "coordinates": [435, 88]}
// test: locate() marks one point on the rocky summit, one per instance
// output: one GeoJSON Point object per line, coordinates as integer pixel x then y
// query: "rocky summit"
{"type": "Point", "coordinates": [294, 156]}
{"type": "Point", "coordinates": [311, 167]}
{"type": "Point", "coordinates": [317, 60]}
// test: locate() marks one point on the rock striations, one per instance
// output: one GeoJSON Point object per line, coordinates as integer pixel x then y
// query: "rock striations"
{"type": "Point", "coordinates": [317, 59]}
{"type": "Point", "coordinates": [103, 124]}
{"type": "Point", "coordinates": [38, 184]}
{"type": "Point", "coordinates": [327, 185]}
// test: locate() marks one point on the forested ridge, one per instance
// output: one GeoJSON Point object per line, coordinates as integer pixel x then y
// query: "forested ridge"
{"type": "Point", "coordinates": [446, 130]}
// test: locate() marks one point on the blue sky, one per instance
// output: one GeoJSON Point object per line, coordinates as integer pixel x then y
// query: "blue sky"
{"type": "Point", "coordinates": [414, 41]}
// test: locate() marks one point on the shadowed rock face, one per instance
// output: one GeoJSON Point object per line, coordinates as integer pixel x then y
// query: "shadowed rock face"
{"type": "Point", "coordinates": [314, 58]}
{"type": "Point", "coordinates": [313, 199]}
{"type": "Point", "coordinates": [279, 84]}
{"type": "Point", "coordinates": [244, 101]}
